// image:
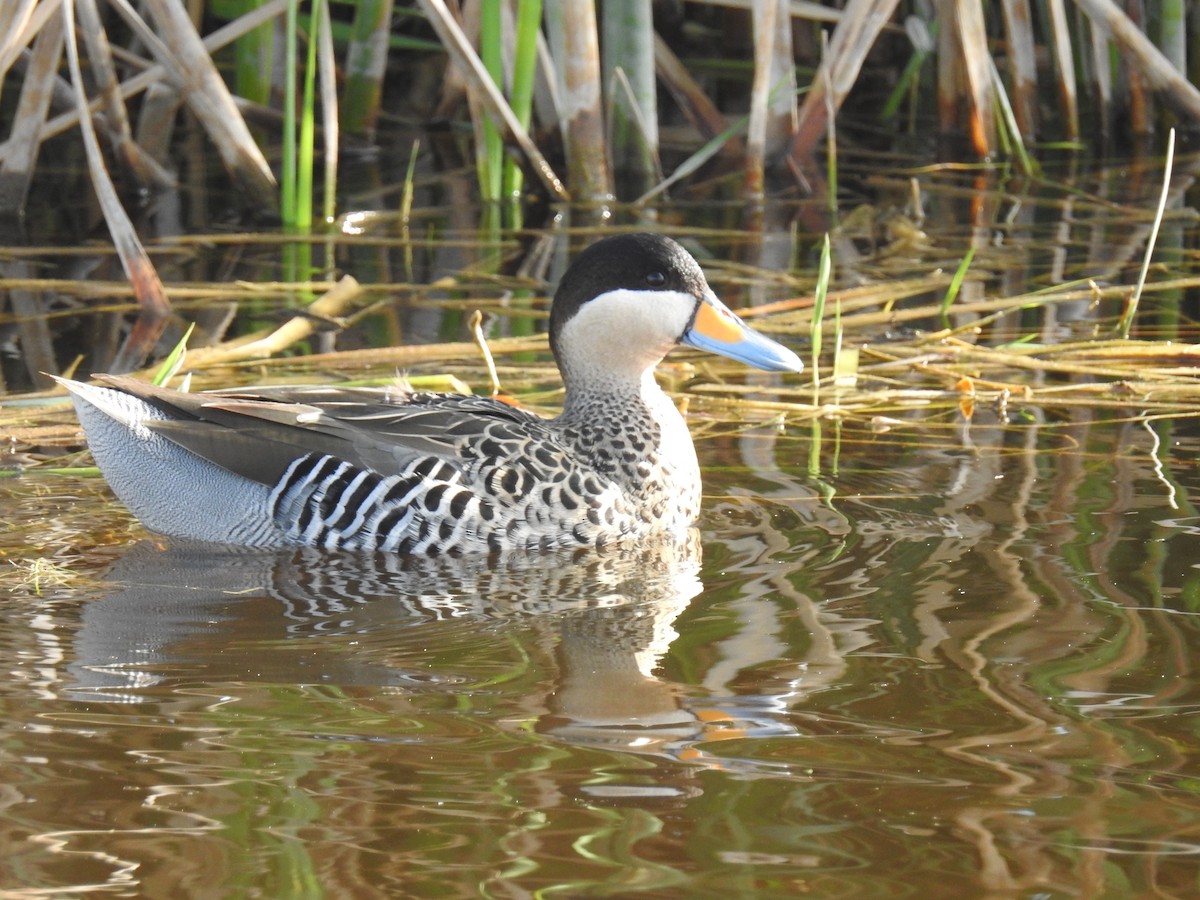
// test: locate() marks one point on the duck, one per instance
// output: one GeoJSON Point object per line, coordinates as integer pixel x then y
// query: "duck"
{"type": "Point", "coordinates": [383, 470]}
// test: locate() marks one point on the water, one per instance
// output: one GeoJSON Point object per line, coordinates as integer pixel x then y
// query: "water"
{"type": "Point", "coordinates": [910, 652]}
{"type": "Point", "coordinates": [949, 664]}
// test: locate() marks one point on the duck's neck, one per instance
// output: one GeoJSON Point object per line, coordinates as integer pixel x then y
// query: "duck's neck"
{"type": "Point", "coordinates": [615, 403]}
{"type": "Point", "coordinates": [629, 430]}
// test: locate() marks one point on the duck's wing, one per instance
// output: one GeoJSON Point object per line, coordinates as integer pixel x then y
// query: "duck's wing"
{"type": "Point", "coordinates": [259, 434]}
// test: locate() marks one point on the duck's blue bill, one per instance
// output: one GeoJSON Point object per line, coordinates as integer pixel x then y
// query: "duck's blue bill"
{"type": "Point", "coordinates": [719, 330]}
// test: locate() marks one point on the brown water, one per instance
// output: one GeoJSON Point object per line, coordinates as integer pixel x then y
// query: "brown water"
{"type": "Point", "coordinates": [955, 664]}
{"type": "Point", "coordinates": [948, 659]}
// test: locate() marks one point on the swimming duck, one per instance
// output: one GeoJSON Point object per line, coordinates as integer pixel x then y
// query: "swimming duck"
{"type": "Point", "coordinates": [424, 473]}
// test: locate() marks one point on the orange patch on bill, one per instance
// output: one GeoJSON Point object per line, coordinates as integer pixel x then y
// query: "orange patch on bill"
{"type": "Point", "coordinates": [718, 325]}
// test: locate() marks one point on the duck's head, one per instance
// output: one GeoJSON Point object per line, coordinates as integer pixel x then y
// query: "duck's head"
{"type": "Point", "coordinates": [627, 300]}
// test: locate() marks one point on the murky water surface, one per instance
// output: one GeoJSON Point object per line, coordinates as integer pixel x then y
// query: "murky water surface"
{"type": "Point", "coordinates": [917, 655]}
{"type": "Point", "coordinates": [945, 666]}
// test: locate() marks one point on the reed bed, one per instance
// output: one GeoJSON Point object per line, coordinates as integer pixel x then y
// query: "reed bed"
{"type": "Point", "coordinates": [939, 377]}
{"type": "Point", "coordinates": [543, 82]}
{"type": "Point", "coordinates": [589, 113]}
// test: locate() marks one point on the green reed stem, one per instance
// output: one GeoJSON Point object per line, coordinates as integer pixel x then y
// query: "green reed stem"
{"type": "Point", "coordinates": [254, 57]}
{"type": "Point", "coordinates": [308, 128]}
{"type": "Point", "coordinates": [818, 314]}
{"type": "Point", "coordinates": [923, 35]}
{"type": "Point", "coordinates": [529, 24]}
{"type": "Point", "coordinates": [299, 131]}
{"type": "Point", "coordinates": [366, 62]}
{"type": "Point", "coordinates": [837, 337]}
{"type": "Point", "coordinates": [287, 180]}
{"type": "Point", "coordinates": [490, 162]}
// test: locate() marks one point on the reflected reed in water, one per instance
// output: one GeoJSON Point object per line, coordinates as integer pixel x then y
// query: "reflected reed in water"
{"type": "Point", "coordinates": [972, 658]}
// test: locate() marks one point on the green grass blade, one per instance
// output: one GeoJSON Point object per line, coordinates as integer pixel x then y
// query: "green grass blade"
{"type": "Point", "coordinates": [1009, 127]}
{"type": "Point", "coordinates": [697, 159]}
{"type": "Point", "coordinates": [956, 284]}
{"type": "Point", "coordinates": [174, 360]}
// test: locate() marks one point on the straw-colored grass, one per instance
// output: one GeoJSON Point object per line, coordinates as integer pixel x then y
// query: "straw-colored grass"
{"type": "Point", "coordinates": [927, 379]}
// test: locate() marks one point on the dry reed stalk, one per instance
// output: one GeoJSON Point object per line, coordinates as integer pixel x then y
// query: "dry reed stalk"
{"type": "Point", "coordinates": [860, 24]}
{"type": "Point", "coordinates": [760, 91]}
{"type": "Point", "coordinates": [693, 101]}
{"type": "Point", "coordinates": [1138, 353]}
{"type": "Point", "coordinates": [798, 322]}
{"type": "Point", "coordinates": [143, 167]}
{"type": "Point", "coordinates": [95, 289]}
{"type": "Point", "coordinates": [157, 116]}
{"type": "Point", "coordinates": [155, 74]}
{"type": "Point", "coordinates": [796, 9]}
{"type": "Point", "coordinates": [1102, 77]}
{"type": "Point", "coordinates": [1151, 62]}
{"type": "Point", "coordinates": [20, 23]}
{"type": "Point", "coordinates": [1022, 65]}
{"type": "Point", "coordinates": [772, 93]}
{"type": "Point", "coordinates": [143, 278]}
{"type": "Point", "coordinates": [18, 154]}
{"type": "Point", "coordinates": [332, 306]}
{"type": "Point", "coordinates": [1135, 298]}
{"type": "Point", "coordinates": [860, 297]}
{"type": "Point", "coordinates": [327, 69]}
{"type": "Point", "coordinates": [471, 68]}
{"type": "Point", "coordinates": [575, 45]}
{"type": "Point", "coordinates": [177, 46]}
{"type": "Point", "coordinates": [949, 61]}
{"type": "Point", "coordinates": [33, 325]}
{"type": "Point", "coordinates": [104, 73]}
{"type": "Point", "coordinates": [976, 62]}
{"type": "Point", "coordinates": [398, 357]}
{"type": "Point", "coordinates": [1064, 61]}
{"type": "Point", "coordinates": [966, 354]}
{"type": "Point", "coordinates": [1134, 82]}
{"type": "Point", "coordinates": [628, 48]}
{"type": "Point", "coordinates": [545, 86]}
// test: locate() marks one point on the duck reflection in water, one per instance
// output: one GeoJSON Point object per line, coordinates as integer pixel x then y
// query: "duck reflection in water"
{"type": "Point", "coordinates": [596, 626]}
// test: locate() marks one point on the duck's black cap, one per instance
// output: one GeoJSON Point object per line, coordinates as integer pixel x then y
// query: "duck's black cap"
{"type": "Point", "coordinates": [635, 262]}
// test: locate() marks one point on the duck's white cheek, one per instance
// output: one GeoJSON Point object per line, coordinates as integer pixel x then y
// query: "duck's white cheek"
{"type": "Point", "coordinates": [629, 328]}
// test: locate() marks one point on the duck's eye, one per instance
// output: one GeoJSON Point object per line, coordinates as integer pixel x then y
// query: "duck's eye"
{"type": "Point", "coordinates": [656, 279]}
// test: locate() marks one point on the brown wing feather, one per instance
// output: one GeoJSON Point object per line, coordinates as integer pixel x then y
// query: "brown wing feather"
{"type": "Point", "coordinates": [259, 434]}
